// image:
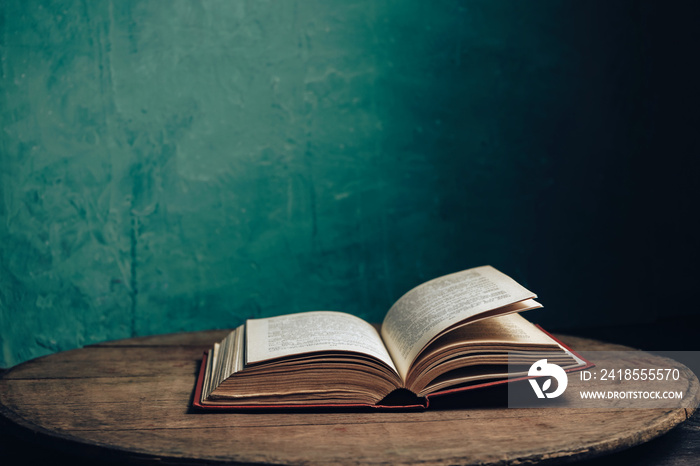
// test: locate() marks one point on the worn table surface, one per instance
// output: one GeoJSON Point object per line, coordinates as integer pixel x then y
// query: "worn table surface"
{"type": "Point", "coordinates": [129, 400]}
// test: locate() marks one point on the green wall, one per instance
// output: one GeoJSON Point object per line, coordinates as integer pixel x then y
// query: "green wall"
{"type": "Point", "coordinates": [184, 165]}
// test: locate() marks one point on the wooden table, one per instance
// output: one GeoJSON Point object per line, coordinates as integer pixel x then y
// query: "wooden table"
{"type": "Point", "coordinates": [129, 400]}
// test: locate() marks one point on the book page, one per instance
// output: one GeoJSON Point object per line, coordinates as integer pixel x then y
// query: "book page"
{"type": "Point", "coordinates": [309, 332]}
{"type": "Point", "coordinates": [507, 329]}
{"type": "Point", "coordinates": [511, 328]}
{"type": "Point", "coordinates": [425, 311]}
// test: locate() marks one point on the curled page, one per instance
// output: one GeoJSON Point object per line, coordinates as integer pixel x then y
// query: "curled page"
{"type": "Point", "coordinates": [425, 311]}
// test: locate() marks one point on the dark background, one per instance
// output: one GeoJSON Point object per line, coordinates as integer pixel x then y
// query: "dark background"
{"type": "Point", "coordinates": [176, 166]}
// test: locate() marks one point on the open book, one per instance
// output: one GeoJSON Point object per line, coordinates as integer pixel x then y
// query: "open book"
{"type": "Point", "coordinates": [454, 332]}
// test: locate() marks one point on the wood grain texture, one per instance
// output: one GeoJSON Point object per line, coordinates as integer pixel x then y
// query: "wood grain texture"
{"type": "Point", "coordinates": [131, 399]}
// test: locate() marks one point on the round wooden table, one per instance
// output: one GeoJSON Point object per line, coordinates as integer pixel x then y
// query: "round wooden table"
{"type": "Point", "coordinates": [130, 400]}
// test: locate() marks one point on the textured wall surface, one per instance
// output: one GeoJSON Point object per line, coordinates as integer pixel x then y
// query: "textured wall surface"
{"type": "Point", "coordinates": [183, 165]}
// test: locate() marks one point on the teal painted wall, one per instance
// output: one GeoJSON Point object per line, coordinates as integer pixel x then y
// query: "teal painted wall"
{"type": "Point", "coordinates": [184, 165]}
